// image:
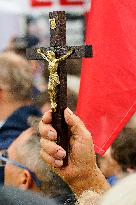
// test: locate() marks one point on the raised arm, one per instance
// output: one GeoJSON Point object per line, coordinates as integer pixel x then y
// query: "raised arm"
{"type": "Point", "coordinates": [64, 57]}
{"type": "Point", "coordinates": [42, 54]}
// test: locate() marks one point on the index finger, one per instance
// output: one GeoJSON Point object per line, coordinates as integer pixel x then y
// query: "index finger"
{"type": "Point", "coordinates": [47, 117]}
{"type": "Point", "coordinates": [45, 127]}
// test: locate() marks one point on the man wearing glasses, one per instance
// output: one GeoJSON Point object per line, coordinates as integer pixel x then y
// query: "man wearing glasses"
{"type": "Point", "coordinates": [25, 169]}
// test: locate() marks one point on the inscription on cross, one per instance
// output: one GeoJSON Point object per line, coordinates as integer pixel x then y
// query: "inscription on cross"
{"type": "Point", "coordinates": [59, 50]}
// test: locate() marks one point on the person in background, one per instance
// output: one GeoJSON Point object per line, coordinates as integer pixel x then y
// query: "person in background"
{"type": "Point", "coordinates": [123, 151]}
{"type": "Point", "coordinates": [109, 167]}
{"type": "Point", "coordinates": [119, 160]}
{"type": "Point", "coordinates": [123, 193]}
{"type": "Point", "coordinates": [19, 46]}
{"type": "Point", "coordinates": [20, 43]}
{"type": "Point", "coordinates": [25, 169]}
{"type": "Point", "coordinates": [15, 98]}
{"type": "Point", "coordinates": [12, 196]}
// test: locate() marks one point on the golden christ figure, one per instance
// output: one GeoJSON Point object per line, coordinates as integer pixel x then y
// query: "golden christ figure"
{"type": "Point", "coordinates": [53, 75]}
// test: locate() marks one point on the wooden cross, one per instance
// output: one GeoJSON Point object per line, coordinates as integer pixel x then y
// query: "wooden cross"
{"type": "Point", "coordinates": [58, 45]}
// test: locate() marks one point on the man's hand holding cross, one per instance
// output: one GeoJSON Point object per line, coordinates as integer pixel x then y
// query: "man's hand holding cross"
{"type": "Point", "coordinates": [81, 173]}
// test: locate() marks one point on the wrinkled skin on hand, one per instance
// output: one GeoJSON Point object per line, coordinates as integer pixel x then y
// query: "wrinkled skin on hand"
{"type": "Point", "coordinates": [82, 172]}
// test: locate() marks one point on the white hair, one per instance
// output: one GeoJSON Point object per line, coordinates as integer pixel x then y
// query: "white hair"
{"type": "Point", "coordinates": [15, 76]}
{"type": "Point", "coordinates": [28, 154]}
{"type": "Point", "coordinates": [123, 193]}
{"type": "Point", "coordinates": [88, 198]}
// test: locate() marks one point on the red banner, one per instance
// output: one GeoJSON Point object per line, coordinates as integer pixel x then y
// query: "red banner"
{"type": "Point", "coordinates": [69, 2]}
{"type": "Point", "coordinates": [43, 3]}
{"type": "Point", "coordinates": [36, 3]}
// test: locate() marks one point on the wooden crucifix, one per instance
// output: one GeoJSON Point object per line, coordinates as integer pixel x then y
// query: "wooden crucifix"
{"type": "Point", "coordinates": [56, 56]}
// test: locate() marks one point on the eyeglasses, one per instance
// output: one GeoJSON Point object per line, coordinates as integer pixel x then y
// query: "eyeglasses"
{"type": "Point", "coordinates": [4, 160]}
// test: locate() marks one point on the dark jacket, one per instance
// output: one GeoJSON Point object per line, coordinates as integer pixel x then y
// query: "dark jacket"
{"type": "Point", "coordinates": [16, 124]}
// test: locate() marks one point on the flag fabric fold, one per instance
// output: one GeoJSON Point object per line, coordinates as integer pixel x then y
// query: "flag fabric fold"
{"type": "Point", "coordinates": [107, 95]}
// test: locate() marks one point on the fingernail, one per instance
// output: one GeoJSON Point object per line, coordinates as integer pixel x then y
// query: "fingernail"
{"type": "Point", "coordinates": [69, 111]}
{"type": "Point", "coordinates": [58, 163]}
{"type": "Point", "coordinates": [43, 119]}
{"type": "Point", "coordinates": [51, 134]}
{"type": "Point", "coordinates": [61, 153]}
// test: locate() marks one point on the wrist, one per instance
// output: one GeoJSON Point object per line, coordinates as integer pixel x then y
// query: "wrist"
{"type": "Point", "coordinates": [92, 180]}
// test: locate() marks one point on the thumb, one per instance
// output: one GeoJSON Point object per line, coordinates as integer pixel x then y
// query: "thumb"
{"type": "Point", "coordinates": [76, 124]}
{"type": "Point", "coordinates": [82, 145]}
{"type": "Point", "coordinates": [71, 119]}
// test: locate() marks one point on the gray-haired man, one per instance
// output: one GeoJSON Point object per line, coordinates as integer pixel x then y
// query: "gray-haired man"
{"type": "Point", "coordinates": [26, 170]}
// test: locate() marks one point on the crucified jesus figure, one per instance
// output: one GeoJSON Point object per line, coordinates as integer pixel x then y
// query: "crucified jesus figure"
{"type": "Point", "coordinates": [53, 75]}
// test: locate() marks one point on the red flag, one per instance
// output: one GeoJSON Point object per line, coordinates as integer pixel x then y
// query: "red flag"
{"type": "Point", "coordinates": [107, 96]}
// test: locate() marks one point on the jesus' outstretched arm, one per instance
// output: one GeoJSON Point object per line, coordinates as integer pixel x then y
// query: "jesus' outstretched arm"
{"type": "Point", "coordinates": [64, 57]}
{"type": "Point", "coordinates": [43, 54]}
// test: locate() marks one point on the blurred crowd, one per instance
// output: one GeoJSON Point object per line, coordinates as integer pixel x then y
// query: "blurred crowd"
{"type": "Point", "coordinates": [30, 160]}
